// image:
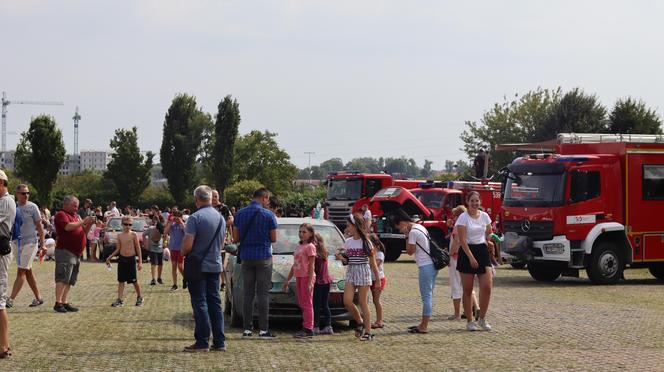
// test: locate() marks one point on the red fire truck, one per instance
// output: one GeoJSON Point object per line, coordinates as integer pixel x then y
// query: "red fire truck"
{"type": "Point", "coordinates": [348, 191]}
{"type": "Point", "coordinates": [431, 203]}
{"type": "Point", "coordinates": [593, 204]}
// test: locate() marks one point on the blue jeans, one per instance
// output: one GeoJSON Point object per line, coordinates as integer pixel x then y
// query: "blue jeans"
{"type": "Point", "coordinates": [206, 303]}
{"type": "Point", "coordinates": [427, 278]}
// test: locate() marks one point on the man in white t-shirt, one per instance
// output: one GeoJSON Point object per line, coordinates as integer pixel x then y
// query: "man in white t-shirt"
{"type": "Point", "coordinates": [418, 246]}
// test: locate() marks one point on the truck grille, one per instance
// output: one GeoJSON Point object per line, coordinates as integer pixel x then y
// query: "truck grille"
{"type": "Point", "coordinates": [539, 230]}
{"type": "Point", "coordinates": [338, 215]}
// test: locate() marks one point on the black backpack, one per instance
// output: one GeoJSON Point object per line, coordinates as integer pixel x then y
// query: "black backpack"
{"type": "Point", "coordinates": [439, 256]}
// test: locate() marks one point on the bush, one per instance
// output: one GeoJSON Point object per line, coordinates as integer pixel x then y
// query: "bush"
{"type": "Point", "coordinates": [302, 201]}
{"type": "Point", "coordinates": [239, 194]}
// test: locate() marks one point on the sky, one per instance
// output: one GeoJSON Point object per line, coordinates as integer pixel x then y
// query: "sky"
{"type": "Point", "coordinates": [339, 78]}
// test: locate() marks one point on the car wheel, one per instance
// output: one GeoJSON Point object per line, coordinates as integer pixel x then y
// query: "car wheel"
{"type": "Point", "coordinates": [393, 250]}
{"type": "Point", "coordinates": [543, 272]}
{"type": "Point", "coordinates": [605, 266]}
{"type": "Point", "coordinates": [518, 264]}
{"type": "Point", "coordinates": [657, 270]}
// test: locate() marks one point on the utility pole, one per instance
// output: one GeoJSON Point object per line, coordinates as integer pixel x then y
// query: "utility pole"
{"type": "Point", "coordinates": [309, 153]}
{"type": "Point", "coordinates": [77, 119]}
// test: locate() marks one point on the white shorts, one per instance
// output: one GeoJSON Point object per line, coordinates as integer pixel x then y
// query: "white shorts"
{"type": "Point", "coordinates": [455, 280]}
{"type": "Point", "coordinates": [26, 256]}
{"type": "Point", "coordinates": [4, 279]}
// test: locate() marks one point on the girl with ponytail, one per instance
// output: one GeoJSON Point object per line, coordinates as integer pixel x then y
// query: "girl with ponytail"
{"type": "Point", "coordinates": [358, 254]}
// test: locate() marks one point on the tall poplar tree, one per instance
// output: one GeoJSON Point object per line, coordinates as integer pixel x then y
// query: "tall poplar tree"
{"type": "Point", "coordinates": [225, 134]}
{"type": "Point", "coordinates": [181, 145]}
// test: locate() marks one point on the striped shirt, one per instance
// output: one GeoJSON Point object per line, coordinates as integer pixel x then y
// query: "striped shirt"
{"type": "Point", "coordinates": [355, 252]}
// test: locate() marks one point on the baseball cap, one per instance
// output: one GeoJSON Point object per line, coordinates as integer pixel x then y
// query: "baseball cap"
{"type": "Point", "coordinates": [3, 176]}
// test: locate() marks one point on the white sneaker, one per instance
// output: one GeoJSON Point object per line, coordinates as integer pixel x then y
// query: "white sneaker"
{"type": "Point", "coordinates": [483, 325]}
{"type": "Point", "coordinates": [471, 326]}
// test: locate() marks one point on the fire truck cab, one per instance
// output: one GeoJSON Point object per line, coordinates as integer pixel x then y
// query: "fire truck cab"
{"type": "Point", "coordinates": [593, 204]}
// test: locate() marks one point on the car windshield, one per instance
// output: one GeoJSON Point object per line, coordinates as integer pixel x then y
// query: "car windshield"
{"type": "Point", "coordinates": [288, 238]}
{"type": "Point", "coordinates": [534, 190]}
{"type": "Point", "coordinates": [115, 224]}
{"type": "Point", "coordinates": [430, 199]}
{"type": "Point", "coordinates": [345, 189]}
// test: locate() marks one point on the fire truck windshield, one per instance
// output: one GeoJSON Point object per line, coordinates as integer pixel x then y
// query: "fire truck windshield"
{"type": "Point", "coordinates": [430, 199]}
{"type": "Point", "coordinates": [534, 190]}
{"type": "Point", "coordinates": [344, 189]}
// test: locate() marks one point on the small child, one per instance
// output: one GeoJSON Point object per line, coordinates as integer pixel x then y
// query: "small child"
{"type": "Point", "coordinates": [303, 269]}
{"type": "Point", "coordinates": [322, 290]}
{"type": "Point", "coordinates": [128, 249]}
{"type": "Point", "coordinates": [93, 237]}
{"type": "Point", "coordinates": [152, 242]}
{"type": "Point", "coordinates": [378, 286]}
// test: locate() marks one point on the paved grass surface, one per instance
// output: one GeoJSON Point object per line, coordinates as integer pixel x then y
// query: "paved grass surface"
{"type": "Point", "coordinates": [569, 324]}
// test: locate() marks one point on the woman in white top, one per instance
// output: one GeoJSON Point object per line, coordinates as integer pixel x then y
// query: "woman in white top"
{"type": "Point", "coordinates": [473, 227]}
{"type": "Point", "coordinates": [418, 246]}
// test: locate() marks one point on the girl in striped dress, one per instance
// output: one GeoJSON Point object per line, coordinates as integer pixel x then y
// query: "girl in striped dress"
{"type": "Point", "coordinates": [359, 255]}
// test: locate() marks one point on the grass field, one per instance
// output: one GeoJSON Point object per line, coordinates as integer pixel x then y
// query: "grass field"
{"type": "Point", "coordinates": [568, 324]}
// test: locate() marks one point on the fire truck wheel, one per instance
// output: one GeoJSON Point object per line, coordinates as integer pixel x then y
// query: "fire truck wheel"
{"type": "Point", "coordinates": [657, 270]}
{"type": "Point", "coordinates": [606, 264]}
{"type": "Point", "coordinates": [543, 272]}
{"type": "Point", "coordinates": [392, 251]}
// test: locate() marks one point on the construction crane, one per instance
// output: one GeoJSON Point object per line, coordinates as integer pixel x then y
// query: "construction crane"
{"type": "Point", "coordinates": [5, 103]}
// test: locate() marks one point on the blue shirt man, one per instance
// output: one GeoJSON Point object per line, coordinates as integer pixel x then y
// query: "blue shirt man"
{"type": "Point", "coordinates": [257, 228]}
{"type": "Point", "coordinates": [255, 224]}
{"type": "Point", "coordinates": [203, 228]}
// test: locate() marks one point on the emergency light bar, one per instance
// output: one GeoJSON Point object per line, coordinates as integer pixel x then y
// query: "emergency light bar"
{"type": "Point", "coordinates": [578, 138]}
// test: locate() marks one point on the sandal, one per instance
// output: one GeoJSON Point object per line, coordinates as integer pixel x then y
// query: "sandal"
{"type": "Point", "coordinates": [5, 354]}
{"type": "Point", "coordinates": [367, 337]}
{"type": "Point", "coordinates": [359, 331]}
{"type": "Point", "coordinates": [416, 330]}
{"type": "Point", "coordinates": [377, 325]}
{"type": "Point", "coordinates": [412, 327]}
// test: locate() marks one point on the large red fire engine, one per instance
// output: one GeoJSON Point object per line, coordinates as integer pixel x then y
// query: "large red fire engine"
{"type": "Point", "coordinates": [431, 203]}
{"type": "Point", "coordinates": [348, 191]}
{"type": "Point", "coordinates": [594, 204]}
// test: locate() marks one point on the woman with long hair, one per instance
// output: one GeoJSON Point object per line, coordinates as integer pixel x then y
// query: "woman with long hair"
{"type": "Point", "coordinates": [473, 227]}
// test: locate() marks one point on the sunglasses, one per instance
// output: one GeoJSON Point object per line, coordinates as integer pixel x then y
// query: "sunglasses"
{"type": "Point", "coordinates": [126, 224]}
{"type": "Point", "coordinates": [25, 193]}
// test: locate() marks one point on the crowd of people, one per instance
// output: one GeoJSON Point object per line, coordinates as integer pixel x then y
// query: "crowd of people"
{"type": "Point", "coordinates": [194, 244]}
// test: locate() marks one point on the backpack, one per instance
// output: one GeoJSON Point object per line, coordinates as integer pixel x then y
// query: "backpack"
{"type": "Point", "coordinates": [439, 256]}
{"type": "Point", "coordinates": [14, 234]}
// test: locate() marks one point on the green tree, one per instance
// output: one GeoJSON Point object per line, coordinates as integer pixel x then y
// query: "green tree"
{"type": "Point", "coordinates": [181, 144]}
{"type": "Point", "coordinates": [512, 121]}
{"type": "Point", "coordinates": [576, 112]}
{"type": "Point", "coordinates": [363, 165]}
{"type": "Point", "coordinates": [258, 157]}
{"type": "Point", "coordinates": [128, 169]}
{"type": "Point", "coordinates": [226, 131]}
{"type": "Point", "coordinates": [331, 165]}
{"type": "Point", "coordinates": [39, 155]}
{"type": "Point", "coordinates": [239, 194]}
{"type": "Point", "coordinates": [632, 116]}
{"type": "Point", "coordinates": [426, 171]}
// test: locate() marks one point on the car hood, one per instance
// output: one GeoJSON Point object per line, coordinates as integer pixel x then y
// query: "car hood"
{"type": "Point", "coordinates": [392, 198]}
{"type": "Point", "coordinates": [282, 263]}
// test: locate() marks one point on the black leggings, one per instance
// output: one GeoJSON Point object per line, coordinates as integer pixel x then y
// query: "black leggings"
{"type": "Point", "coordinates": [322, 302]}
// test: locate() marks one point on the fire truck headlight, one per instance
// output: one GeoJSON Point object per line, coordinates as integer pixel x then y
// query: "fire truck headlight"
{"type": "Point", "coordinates": [554, 248]}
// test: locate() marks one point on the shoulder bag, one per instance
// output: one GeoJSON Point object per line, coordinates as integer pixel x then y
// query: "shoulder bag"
{"type": "Point", "coordinates": [193, 264]}
{"type": "Point", "coordinates": [439, 256]}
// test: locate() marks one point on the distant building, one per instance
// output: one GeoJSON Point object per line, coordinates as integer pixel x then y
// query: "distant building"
{"type": "Point", "coordinates": [95, 160]}
{"type": "Point", "coordinates": [7, 160]}
{"type": "Point", "coordinates": [71, 165]}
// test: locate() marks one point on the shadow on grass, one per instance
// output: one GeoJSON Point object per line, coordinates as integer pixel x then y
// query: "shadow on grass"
{"type": "Point", "coordinates": [563, 282]}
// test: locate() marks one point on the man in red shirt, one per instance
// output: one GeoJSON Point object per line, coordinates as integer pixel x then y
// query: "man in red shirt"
{"type": "Point", "coordinates": [71, 231]}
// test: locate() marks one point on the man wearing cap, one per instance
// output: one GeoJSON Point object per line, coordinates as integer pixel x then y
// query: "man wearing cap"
{"type": "Point", "coordinates": [71, 231]}
{"type": "Point", "coordinates": [25, 248]}
{"type": "Point", "coordinates": [7, 215]}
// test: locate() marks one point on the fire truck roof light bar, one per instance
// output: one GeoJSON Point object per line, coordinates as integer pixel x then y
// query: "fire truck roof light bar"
{"type": "Point", "coordinates": [578, 138]}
